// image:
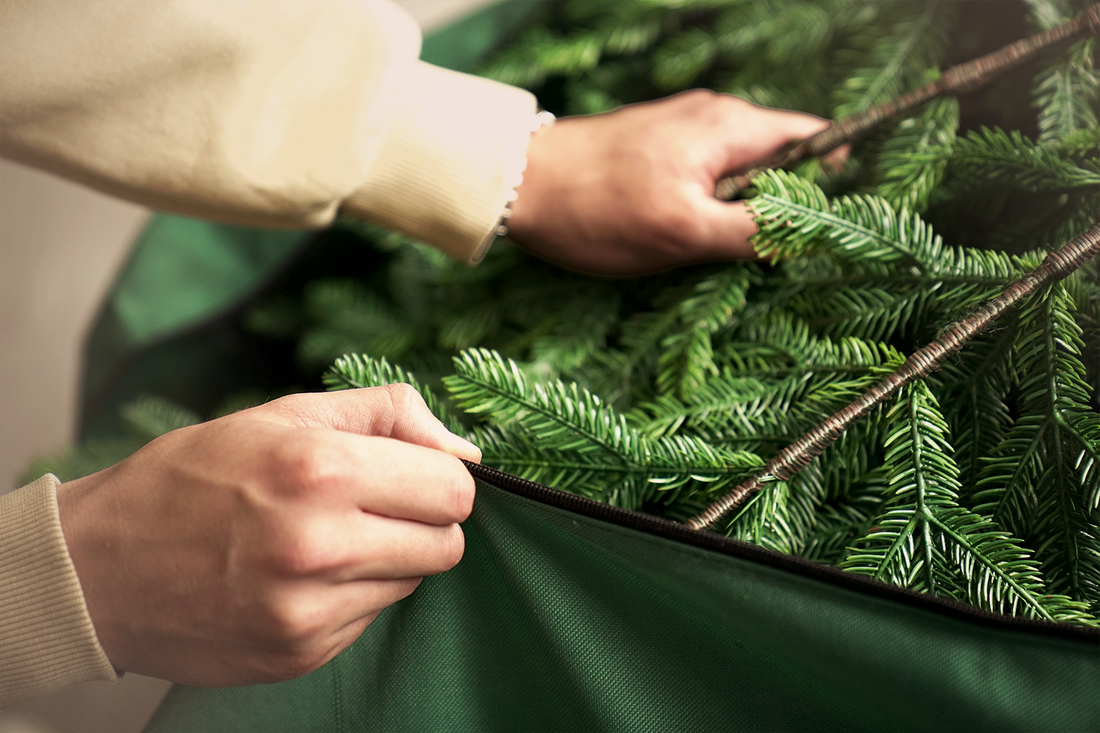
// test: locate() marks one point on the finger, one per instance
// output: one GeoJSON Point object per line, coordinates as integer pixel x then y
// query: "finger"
{"type": "Point", "coordinates": [318, 621]}
{"type": "Point", "coordinates": [360, 603]}
{"type": "Point", "coordinates": [367, 546]}
{"type": "Point", "coordinates": [383, 476]}
{"type": "Point", "coordinates": [754, 135]}
{"type": "Point", "coordinates": [394, 411]}
{"type": "Point", "coordinates": [728, 227]}
{"type": "Point", "coordinates": [836, 159]}
{"type": "Point", "coordinates": [780, 128]}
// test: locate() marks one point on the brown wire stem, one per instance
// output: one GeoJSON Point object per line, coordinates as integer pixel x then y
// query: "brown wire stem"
{"type": "Point", "coordinates": [956, 81]}
{"type": "Point", "coordinates": [794, 458]}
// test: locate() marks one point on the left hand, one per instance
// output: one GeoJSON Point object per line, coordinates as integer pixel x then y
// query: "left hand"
{"type": "Point", "coordinates": [632, 191]}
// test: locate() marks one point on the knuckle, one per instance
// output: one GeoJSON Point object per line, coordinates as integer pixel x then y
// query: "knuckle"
{"type": "Point", "coordinates": [292, 624]}
{"type": "Point", "coordinates": [305, 463]}
{"type": "Point", "coordinates": [699, 96]}
{"type": "Point", "coordinates": [299, 554]}
{"type": "Point", "coordinates": [679, 227]}
{"type": "Point", "coordinates": [404, 398]}
{"type": "Point", "coordinates": [290, 406]}
{"type": "Point", "coordinates": [401, 391]}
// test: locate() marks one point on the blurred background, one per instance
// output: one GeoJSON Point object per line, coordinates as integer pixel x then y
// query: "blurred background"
{"type": "Point", "coordinates": [60, 246]}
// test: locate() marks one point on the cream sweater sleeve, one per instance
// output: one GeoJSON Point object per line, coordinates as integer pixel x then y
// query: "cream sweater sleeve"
{"type": "Point", "coordinates": [272, 113]}
{"type": "Point", "coordinates": [46, 636]}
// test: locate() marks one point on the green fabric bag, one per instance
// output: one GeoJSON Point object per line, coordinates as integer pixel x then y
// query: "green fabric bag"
{"type": "Point", "coordinates": [568, 615]}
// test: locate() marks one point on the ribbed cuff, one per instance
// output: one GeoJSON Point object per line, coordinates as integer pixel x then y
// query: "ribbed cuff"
{"type": "Point", "coordinates": [47, 640]}
{"type": "Point", "coordinates": [449, 161]}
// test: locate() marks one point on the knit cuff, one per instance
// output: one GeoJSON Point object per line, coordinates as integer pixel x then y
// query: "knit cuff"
{"type": "Point", "coordinates": [47, 640]}
{"type": "Point", "coordinates": [449, 162]}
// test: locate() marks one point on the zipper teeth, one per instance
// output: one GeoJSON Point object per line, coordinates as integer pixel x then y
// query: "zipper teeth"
{"type": "Point", "coordinates": [828, 574]}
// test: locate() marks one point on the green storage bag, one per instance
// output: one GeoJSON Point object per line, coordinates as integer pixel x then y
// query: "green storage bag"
{"type": "Point", "coordinates": [569, 615]}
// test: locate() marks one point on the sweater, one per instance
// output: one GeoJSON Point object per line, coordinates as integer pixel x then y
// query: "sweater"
{"type": "Point", "coordinates": [269, 113]}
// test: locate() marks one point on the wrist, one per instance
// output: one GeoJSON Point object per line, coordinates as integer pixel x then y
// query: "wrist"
{"type": "Point", "coordinates": [520, 216]}
{"type": "Point", "coordinates": [542, 121]}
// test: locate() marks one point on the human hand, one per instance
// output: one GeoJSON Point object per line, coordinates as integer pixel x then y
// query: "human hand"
{"type": "Point", "coordinates": [255, 547]}
{"type": "Point", "coordinates": [632, 191]}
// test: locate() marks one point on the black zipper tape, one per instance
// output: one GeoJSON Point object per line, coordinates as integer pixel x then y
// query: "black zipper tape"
{"type": "Point", "coordinates": [754, 553]}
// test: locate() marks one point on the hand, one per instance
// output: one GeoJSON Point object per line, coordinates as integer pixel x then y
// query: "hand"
{"type": "Point", "coordinates": [632, 191]}
{"type": "Point", "coordinates": [255, 547]}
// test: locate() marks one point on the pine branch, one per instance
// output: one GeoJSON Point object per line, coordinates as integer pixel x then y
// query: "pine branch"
{"type": "Point", "coordinates": [923, 538]}
{"type": "Point", "coordinates": [1066, 94]}
{"type": "Point", "coordinates": [686, 360]}
{"type": "Point", "coordinates": [899, 59]}
{"type": "Point", "coordinates": [974, 390]}
{"type": "Point", "coordinates": [956, 81]}
{"type": "Point", "coordinates": [568, 419]}
{"type": "Point", "coordinates": [992, 157]}
{"type": "Point", "coordinates": [1043, 481]}
{"type": "Point", "coordinates": [1054, 267]}
{"type": "Point", "coordinates": [907, 173]}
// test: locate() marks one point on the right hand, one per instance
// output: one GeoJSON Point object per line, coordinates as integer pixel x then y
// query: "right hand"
{"type": "Point", "coordinates": [255, 547]}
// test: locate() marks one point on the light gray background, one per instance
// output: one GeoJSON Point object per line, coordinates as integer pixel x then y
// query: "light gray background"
{"type": "Point", "coordinates": [60, 245]}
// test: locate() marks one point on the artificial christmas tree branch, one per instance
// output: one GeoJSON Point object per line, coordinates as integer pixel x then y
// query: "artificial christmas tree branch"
{"type": "Point", "coordinates": [1057, 265]}
{"type": "Point", "coordinates": [956, 81]}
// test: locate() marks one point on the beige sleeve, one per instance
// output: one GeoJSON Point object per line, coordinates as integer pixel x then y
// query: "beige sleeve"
{"type": "Point", "coordinates": [47, 641]}
{"type": "Point", "coordinates": [274, 113]}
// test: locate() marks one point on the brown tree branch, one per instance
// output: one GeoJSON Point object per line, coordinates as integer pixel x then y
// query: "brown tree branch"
{"type": "Point", "coordinates": [794, 458]}
{"type": "Point", "coordinates": [955, 81]}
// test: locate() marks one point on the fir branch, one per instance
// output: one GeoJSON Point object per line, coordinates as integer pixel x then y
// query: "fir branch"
{"type": "Point", "coordinates": [780, 34]}
{"type": "Point", "coordinates": [686, 361]}
{"type": "Point", "coordinates": [956, 81]}
{"type": "Point", "coordinates": [795, 217]}
{"type": "Point", "coordinates": [992, 157]}
{"type": "Point", "coordinates": [568, 419]}
{"type": "Point", "coordinates": [1084, 142]}
{"type": "Point", "coordinates": [151, 417]}
{"type": "Point", "coordinates": [923, 536]}
{"type": "Point", "coordinates": [899, 58]}
{"type": "Point", "coordinates": [1066, 94]}
{"type": "Point", "coordinates": [348, 317]}
{"type": "Point", "coordinates": [682, 58]}
{"type": "Point", "coordinates": [1054, 267]}
{"type": "Point", "coordinates": [1044, 478]}
{"type": "Point", "coordinates": [907, 174]}
{"type": "Point", "coordinates": [1047, 14]}
{"type": "Point", "coordinates": [840, 524]}
{"type": "Point", "coordinates": [581, 327]}
{"type": "Point", "coordinates": [974, 390]}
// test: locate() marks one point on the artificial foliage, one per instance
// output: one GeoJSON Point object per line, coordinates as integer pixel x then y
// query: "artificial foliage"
{"type": "Point", "coordinates": [980, 483]}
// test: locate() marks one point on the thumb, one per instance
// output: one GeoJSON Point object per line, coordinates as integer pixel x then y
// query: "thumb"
{"type": "Point", "coordinates": [394, 411]}
{"type": "Point", "coordinates": [729, 226]}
